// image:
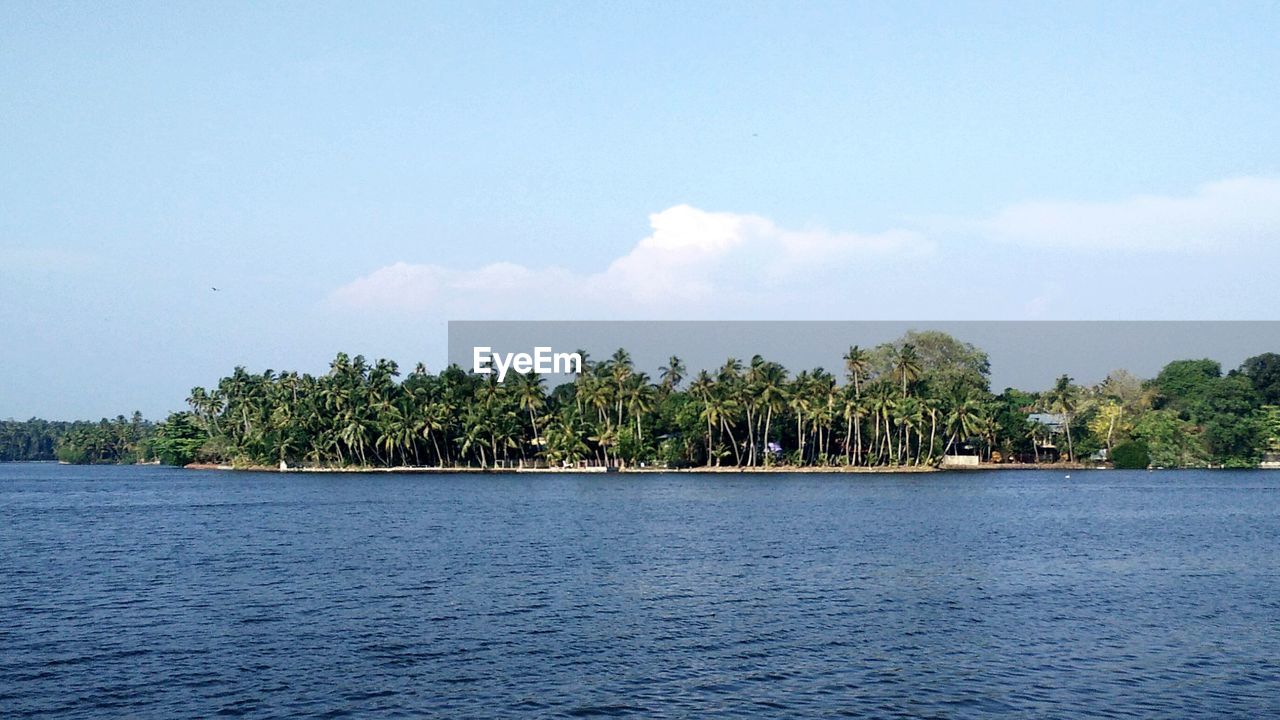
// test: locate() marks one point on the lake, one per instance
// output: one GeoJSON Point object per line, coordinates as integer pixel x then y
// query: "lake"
{"type": "Point", "coordinates": [150, 592]}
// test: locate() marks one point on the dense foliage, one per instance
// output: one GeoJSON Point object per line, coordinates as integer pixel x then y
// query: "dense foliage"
{"type": "Point", "coordinates": [123, 440]}
{"type": "Point", "coordinates": [34, 439]}
{"type": "Point", "coordinates": [909, 402]}
{"type": "Point", "coordinates": [905, 403]}
{"type": "Point", "coordinates": [1132, 455]}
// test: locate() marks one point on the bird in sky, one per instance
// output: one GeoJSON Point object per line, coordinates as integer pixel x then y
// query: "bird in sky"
{"type": "Point", "coordinates": [215, 289]}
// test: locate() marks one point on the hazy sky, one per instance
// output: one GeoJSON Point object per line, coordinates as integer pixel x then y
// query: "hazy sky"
{"type": "Point", "coordinates": [352, 175]}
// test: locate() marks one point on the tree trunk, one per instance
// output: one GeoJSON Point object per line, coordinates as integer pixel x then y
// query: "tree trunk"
{"type": "Point", "coordinates": [933, 431]}
{"type": "Point", "coordinates": [768, 417]}
{"type": "Point", "coordinates": [799, 441]}
{"type": "Point", "coordinates": [709, 444]}
{"type": "Point", "coordinates": [737, 456]}
{"type": "Point", "coordinates": [857, 443]}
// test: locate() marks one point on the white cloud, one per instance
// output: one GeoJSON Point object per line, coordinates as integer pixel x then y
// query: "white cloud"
{"type": "Point", "coordinates": [1229, 212]}
{"type": "Point", "coordinates": [696, 263]}
{"type": "Point", "coordinates": [713, 259]}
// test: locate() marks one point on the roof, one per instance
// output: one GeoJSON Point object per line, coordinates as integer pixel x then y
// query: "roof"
{"type": "Point", "coordinates": [1050, 420]}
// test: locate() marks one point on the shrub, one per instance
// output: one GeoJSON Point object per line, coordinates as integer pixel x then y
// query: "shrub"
{"type": "Point", "coordinates": [1131, 456]}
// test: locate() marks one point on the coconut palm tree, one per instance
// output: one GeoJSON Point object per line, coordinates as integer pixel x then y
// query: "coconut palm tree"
{"type": "Point", "coordinates": [910, 414]}
{"type": "Point", "coordinates": [620, 369]}
{"type": "Point", "coordinates": [397, 433]}
{"type": "Point", "coordinates": [354, 432]}
{"type": "Point", "coordinates": [473, 437]}
{"type": "Point", "coordinates": [702, 388]}
{"type": "Point", "coordinates": [852, 411]}
{"type": "Point", "coordinates": [823, 411]}
{"type": "Point", "coordinates": [362, 412]}
{"type": "Point", "coordinates": [771, 393]}
{"type": "Point", "coordinates": [933, 409]}
{"type": "Point", "coordinates": [882, 403]}
{"type": "Point", "coordinates": [800, 405]}
{"type": "Point", "coordinates": [671, 374]}
{"type": "Point", "coordinates": [640, 397]}
{"type": "Point", "coordinates": [722, 409]}
{"type": "Point", "coordinates": [1062, 400]}
{"type": "Point", "coordinates": [532, 399]}
{"type": "Point", "coordinates": [906, 365]}
{"type": "Point", "coordinates": [963, 420]}
{"type": "Point", "coordinates": [564, 444]}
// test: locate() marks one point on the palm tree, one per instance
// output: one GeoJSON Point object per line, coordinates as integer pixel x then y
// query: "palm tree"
{"type": "Point", "coordinates": [989, 427]}
{"type": "Point", "coordinates": [906, 365]}
{"type": "Point", "coordinates": [1062, 399]}
{"type": "Point", "coordinates": [702, 388]}
{"type": "Point", "coordinates": [771, 387]}
{"type": "Point", "coordinates": [799, 404]}
{"type": "Point", "coordinates": [640, 400]}
{"type": "Point", "coordinates": [362, 412]}
{"type": "Point", "coordinates": [1033, 432]}
{"type": "Point", "coordinates": [595, 393]}
{"type": "Point", "coordinates": [532, 399]}
{"type": "Point", "coordinates": [354, 433]}
{"type": "Point", "coordinates": [822, 389]}
{"type": "Point", "coordinates": [672, 373]}
{"type": "Point", "coordinates": [564, 444]}
{"type": "Point", "coordinates": [963, 420]}
{"type": "Point", "coordinates": [730, 371]}
{"type": "Point", "coordinates": [932, 408]}
{"type": "Point", "coordinates": [882, 405]}
{"type": "Point", "coordinates": [721, 408]}
{"type": "Point", "coordinates": [606, 436]}
{"type": "Point", "coordinates": [620, 369]}
{"type": "Point", "coordinates": [397, 432]}
{"type": "Point", "coordinates": [474, 431]}
{"type": "Point", "coordinates": [856, 363]}
{"type": "Point", "coordinates": [910, 415]}
{"type": "Point", "coordinates": [429, 421]}
{"type": "Point", "coordinates": [852, 410]}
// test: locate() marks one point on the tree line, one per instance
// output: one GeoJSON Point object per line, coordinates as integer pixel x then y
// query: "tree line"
{"type": "Point", "coordinates": [905, 403]}
{"type": "Point", "coordinates": [122, 440]}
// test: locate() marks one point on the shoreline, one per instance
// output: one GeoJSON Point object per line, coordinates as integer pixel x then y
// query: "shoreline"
{"type": "Point", "coordinates": [772, 470]}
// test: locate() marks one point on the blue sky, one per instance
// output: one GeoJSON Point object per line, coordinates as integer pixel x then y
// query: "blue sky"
{"type": "Point", "coordinates": [353, 175]}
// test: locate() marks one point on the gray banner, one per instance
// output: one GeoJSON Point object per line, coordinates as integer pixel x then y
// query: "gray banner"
{"type": "Point", "coordinates": [1024, 354]}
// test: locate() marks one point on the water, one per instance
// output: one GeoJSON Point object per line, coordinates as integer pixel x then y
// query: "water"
{"type": "Point", "coordinates": [158, 593]}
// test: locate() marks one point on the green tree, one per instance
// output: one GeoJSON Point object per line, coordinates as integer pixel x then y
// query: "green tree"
{"type": "Point", "coordinates": [1184, 382]}
{"type": "Point", "coordinates": [1264, 372]}
{"type": "Point", "coordinates": [1133, 455]}
{"type": "Point", "coordinates": [1172, 441]}
{"type": "Point", "coordinates": [178, 439]}
{"type": "Point", "coordinates": [1062, 400]}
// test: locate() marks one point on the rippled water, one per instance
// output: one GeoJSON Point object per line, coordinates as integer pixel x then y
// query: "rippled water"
{"type": "Point", "coordinates": [157, 593]}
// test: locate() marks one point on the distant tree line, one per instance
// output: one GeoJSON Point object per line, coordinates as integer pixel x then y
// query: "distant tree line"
{"type": "Point", "coordinates": [122, 440]}
{"type": "Point", "coordinates": [905, 403]}
{"type": "Point", "coordinates": [29, 440]}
